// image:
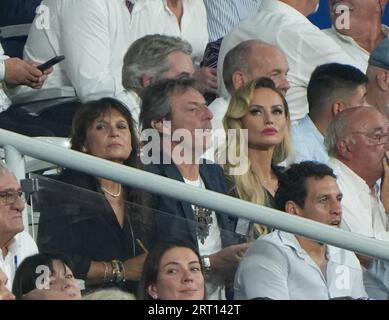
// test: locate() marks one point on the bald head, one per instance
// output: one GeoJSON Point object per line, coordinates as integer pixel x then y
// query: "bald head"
{"type": "Point", "coordinates": [253, 59]}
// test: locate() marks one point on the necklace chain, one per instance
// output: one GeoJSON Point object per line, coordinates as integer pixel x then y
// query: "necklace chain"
{"type": "Point", "coordinates": [115, 195]}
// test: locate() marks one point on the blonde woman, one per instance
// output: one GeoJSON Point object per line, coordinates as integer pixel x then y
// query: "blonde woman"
{"type": "Point", "coordinates": [263, 111]}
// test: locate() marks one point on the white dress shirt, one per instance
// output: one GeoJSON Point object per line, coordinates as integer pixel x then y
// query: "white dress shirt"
{"type": "Point", "coordinates": [362, 209]}
{"type": "Point", "coordinates": [305, 46]}
{"type": "Point", "coordinates": [20, 248]}
{"type": "Point", "coordinates": [363, 213]}
{"type": "Point", "coordinates": [349, 45]}
{"type": "Point", "coordinates": [276, 267]}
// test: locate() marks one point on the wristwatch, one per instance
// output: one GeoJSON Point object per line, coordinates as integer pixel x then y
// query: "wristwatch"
{"type": "Point", "coordinates": [206, 262]}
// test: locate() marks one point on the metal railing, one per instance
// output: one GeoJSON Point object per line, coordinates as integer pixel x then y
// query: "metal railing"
{"type": "Point", "coordinates": [15, 145]}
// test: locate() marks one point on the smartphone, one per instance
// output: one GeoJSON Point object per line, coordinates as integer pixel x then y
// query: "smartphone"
{"type": "Point", "coordinates": [42, 67]}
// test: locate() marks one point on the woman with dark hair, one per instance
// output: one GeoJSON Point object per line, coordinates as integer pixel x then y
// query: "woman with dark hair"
{"type": "Point", "coordinates": [104, 232]}
{"type": "Point", "coordinates": [46, 276]}
{"type": "Point", "coordinates": [173, 272]}
{"type": "Point", "coordinates": [262, 110]}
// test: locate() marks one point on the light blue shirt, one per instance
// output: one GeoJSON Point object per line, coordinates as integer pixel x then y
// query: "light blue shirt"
{"type": "Point", "coordinates": [307, 142]}
{"type": "Point", "coordinates": [277, 267]}
{"type": "Point", "coordinates": [223, 15]}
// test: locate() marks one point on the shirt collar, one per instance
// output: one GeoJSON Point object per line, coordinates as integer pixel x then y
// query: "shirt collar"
{"type": "Point", "coordinates": [349, 176]}
{"type": "Point", "coordinates": [290, 240]}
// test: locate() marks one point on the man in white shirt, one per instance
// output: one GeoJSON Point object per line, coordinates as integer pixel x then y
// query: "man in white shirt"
{"type": "Point", "coordinates": [357, 141]}
{"type": "Point", "coordinates": [356, 27]}
{"type": "Point", "coordinates": [283, 23]}
{"type": "Point", "coordinates": [247, 61]}
{"type": "Point", "coordinates": [15, 243]}
{"type": "Point", "coordinates": [152, 58]}
{"type": "Point", "coordinates": [281, 265]}
{"type": "Point", "coordinates": [332, 88]}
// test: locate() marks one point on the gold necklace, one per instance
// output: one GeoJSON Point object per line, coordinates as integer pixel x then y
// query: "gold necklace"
{"type": "Point", "coordinates": [113, 194]}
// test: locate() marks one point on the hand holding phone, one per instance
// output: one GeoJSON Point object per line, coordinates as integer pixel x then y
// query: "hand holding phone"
{"type": "Point", "coordinates": [44, 66]}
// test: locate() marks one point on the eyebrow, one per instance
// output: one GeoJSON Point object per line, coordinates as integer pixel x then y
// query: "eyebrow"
{"type": "Point", "coordinates": [11, 189]}
{"type": "Point", "coordinates": [177, 263]}
{"type": "Point", "coordinates": [261, 106]}
{"type": "Point", "coordinates": [198, 104]}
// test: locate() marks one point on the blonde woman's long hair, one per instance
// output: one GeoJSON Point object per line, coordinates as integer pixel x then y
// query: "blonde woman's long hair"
{"type": "Point", "coordinates": [248, 185]}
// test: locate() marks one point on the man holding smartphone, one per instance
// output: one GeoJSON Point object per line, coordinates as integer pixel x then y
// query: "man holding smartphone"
{"type": "Point", "coordinates": [15, 72]}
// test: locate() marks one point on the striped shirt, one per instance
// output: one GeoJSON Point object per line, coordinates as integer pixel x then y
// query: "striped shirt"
{"type": "Point", "coordinates": [223, 15]}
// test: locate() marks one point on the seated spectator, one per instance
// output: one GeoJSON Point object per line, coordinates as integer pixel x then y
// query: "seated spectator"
{"type": "Point", "coordinates": [332, 88]}
{"type": "Point", "coordinates": [282, 265]}
{"type": "Point", "coordinates": [102, 237]}
{"type": "Point", "coordinates": [172, 107]}
{"type": "Point", "coordinates": [357, 143]}
{"type": "Point", "coordinates": [173, 272]}
{"type": "Point", "coordinates": [150, 59]}
{"type": "Point", "coordinates": [357, 27]}
{"type": "Point", "coordinates": [15, 243]}
{"type": "Point", "coordinates": [284, 24]}
{"type": "Point", "coordinates": [378, 75]}
{"type": "Point", "coordinates": [46, 276]}
{"type": "Point", "coordinates": [5, 293]}
{"type": "Point", "coordinates": [262, 110]}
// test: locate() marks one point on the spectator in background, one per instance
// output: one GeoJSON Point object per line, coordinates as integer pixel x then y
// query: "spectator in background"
{"type": "Point", "coordinates": [357, 142]}
{"type": "Point", "coordinates": [284, 266]}
{"type": "Point", "coordinates": [5, 293]}
{"type": "Point", "coordinates": [46, 276]}
{"type": "Point", "coordinates": [284, 25]}
{"type": "Point", "coordinates": [168, 108]}
{"type": "Point", "coordinates": [150, 59]}
{"type": "Point", "coordinates": [332, 88]}
{"type": "Point", "coordinates": [261, 110]}
{"type": "Point", "coordinates": [15, 243]}
{"type": "Point", "coordinates": [378, 75]}
{"type": "Point", "coordinates": [357, 27]}
{"type": "Point", "coordinates": [173, 272]}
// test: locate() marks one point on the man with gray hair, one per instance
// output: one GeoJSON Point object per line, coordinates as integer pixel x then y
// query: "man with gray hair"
{"type": "Point", "coordinates": [152, 58]}
{"type": "Point", "coordinates": [357, 142]}
{"type": "Point", "coordinates": [378, 75]}
{"type": "Point", "coordinates": [15, 243]}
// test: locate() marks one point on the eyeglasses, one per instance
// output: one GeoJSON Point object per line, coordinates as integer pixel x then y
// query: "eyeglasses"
{"type": "Point", "coordinates": [10, 197]}
{"type": "Point", "coordinates": [377, 137]}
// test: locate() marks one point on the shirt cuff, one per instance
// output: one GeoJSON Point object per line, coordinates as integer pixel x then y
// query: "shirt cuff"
{"type": "Point", "coordinates": [2, 67]}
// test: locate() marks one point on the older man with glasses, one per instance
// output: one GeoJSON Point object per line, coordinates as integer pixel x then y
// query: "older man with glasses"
{"type": "Point", "coordinates": [358, 142]}
{"type": "Point", "coordinates": [15, 243]}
